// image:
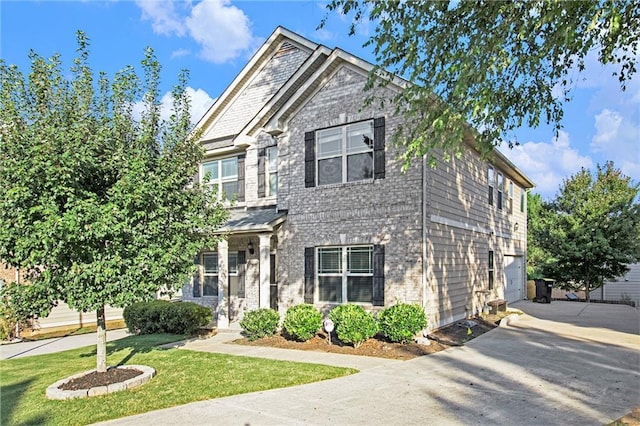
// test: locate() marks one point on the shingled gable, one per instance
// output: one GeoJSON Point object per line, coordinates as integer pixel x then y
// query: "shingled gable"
{"type": "Point", "coordinates": [251, 89]}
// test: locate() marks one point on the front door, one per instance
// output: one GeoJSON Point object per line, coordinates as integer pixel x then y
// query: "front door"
{"type": "Point", "coordinates": [237, 272]}
{"type": "Point", "coordinates": [513, 278]}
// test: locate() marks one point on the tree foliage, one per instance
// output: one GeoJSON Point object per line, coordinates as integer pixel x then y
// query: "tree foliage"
{"type": "Point", "coordinates": [591, 230]}
{"type": "Point", "coordinates": [97, 206]}
{"type": "Point", "coordinates": [497, 65]}
{"type": "Point", "coordinates": [537, 258]}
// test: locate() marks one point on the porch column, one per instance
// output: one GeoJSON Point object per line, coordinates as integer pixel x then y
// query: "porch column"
{"type": "Point", "coordinates": [265, 269]}
{"type": "Point", "coordinates": [223, 279]}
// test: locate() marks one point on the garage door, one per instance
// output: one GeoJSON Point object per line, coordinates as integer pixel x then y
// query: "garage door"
{"type": "Point", "coordinates": [513, 278]}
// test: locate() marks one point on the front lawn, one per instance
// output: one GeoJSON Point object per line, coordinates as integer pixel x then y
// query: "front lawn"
{"type": "Point", "coordinates": [182, 376]}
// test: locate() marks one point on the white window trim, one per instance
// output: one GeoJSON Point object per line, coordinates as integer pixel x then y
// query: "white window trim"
{"type": "Point", "coordinates": [345, 274]}
{"type": "Point", "coordinates": [219, 180]}
{"type": "Point", "coordinates": [500, 192]}
{"type": "Point", "coordinates": [510, 196]}
{"type": "Point", "coordinates": [344, 153]}
{"type": "Point", "coordinates": [491, 176]}
{"type": "Point", "coordinates": [204, 274]}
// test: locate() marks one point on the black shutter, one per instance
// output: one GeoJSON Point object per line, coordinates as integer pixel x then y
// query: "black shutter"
{"type": "Point", "coordinates": [378, 275]}
{"type": "Point", "coordinates": [262, 155]}
{"type": "Point", "coordinates": [240, 193]}
{"type": "Point", "coordinates": [378, 148]}
{"type": "Point", "coordinates": [309, 272]}
{"type": "Point", "coordinates": [196, 277]}
{"type": "Point", "coordinates": [310, 159]}
{"type": "Point", "coordinates": [242, 269]}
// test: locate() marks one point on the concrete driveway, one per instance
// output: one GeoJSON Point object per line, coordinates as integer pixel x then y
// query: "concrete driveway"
{"type": "Point", "coordinates": [561, 363]}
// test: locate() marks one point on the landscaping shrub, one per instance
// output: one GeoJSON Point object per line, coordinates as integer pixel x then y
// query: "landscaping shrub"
{"type": "Point", "coordinates": [353, 324]}
{"type": "Point", "coordinates": [260, 323]}
{"type": "Point", "coordinates": [161, 316]}
{"type": "Point", "coordinates": [301, 322]}
{"type": "Point", "coordinates": [401, 322]}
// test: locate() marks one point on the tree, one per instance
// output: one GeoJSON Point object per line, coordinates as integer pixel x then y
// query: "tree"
{"type": "Point", "coordinates": [537, 221]}
{"type": "Point", "coordinates": [591, 230]}
{"type": "Point", "coordinates": [496, 65]}
{"type": "Point", "coordinates": [98, 207]}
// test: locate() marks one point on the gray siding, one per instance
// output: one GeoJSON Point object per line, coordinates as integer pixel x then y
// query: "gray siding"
{"type": "Point", "coordinates": [626, 287]}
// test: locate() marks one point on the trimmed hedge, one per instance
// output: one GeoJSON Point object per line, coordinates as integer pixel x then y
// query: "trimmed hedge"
{"type": "Point", "coordinates": [401, 322]}
{"type": "Point", "coordinates": [260, 323]}
{"type": "Point", "coordinates": [161, 316]}
{"type": "Point", "coordinates": [353, 324]}
{"type": "Point", "coordinates": [302, 322]}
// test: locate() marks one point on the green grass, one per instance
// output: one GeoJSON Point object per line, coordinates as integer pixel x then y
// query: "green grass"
{"type": "Point", "coordinates": [182, 376]}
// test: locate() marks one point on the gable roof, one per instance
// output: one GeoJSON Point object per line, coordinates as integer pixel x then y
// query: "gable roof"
{"type": "Point", "coordinates": [257, 100]}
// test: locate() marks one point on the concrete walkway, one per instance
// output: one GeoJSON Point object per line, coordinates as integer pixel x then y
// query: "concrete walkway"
{"type": "Point", "coordinates": [561, 363]}
{"type": "Point", "coordinates": [58, 344]}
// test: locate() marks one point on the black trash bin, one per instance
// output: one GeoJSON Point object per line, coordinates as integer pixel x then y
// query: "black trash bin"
{"type": "Point", "coordinates": [543, 290]}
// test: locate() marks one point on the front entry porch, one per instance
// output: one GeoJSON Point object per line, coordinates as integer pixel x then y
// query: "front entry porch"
{"type": "Point", "coordinates": [239, 275]}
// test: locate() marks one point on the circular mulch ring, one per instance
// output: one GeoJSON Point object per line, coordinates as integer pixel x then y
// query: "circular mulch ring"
{"type": "Point", "coordinates": [93, 383]}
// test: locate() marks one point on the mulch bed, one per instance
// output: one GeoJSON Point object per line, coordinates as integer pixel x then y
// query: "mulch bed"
{"type": "Point", "coordinates": [95, 379]}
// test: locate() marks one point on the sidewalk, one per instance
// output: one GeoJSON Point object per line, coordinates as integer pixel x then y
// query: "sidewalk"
{"type": "Point", "coordinates": [58, 344]}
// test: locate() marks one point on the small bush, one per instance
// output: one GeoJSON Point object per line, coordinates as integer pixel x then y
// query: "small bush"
{"type": "Point", "coordinates": [353, 324]}
{"type": "Point", "coordinates": [301, 322]}
{"type": "Point", "coordinates": [260, 323]}
{"type": "Point", "coordinates": [161, 316]}
{"type": "Point", "coordinates": [401, 322]}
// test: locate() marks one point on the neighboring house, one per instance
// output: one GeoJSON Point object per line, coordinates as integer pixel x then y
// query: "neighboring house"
{"type": "Point", "coordinates": [323, 213]}
{"type": "Point", "coordinates": [626, 287]}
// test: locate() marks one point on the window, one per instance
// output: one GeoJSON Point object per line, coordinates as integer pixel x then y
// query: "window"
{"type": "Point", "coordinates": [510, 199]}
{"type": "Point", "coordinates": [523, 196]}
{"type": "Point", "coordinates": [272, 171]}
{"type": "Point", "coordinates": [491, 181]}
{"type": "Point", "coordinates": [345, 274]}
{"type": "Point", "coordinates": [500, 190]}
{"type": "Point", "coordinates": [345, 153]}
{"type": "Point", "coordinates": [491, 271]}
{"type": "Point", "coordinates": [210, 274]}
{"type": "Point", "coordinates": [223, 174]}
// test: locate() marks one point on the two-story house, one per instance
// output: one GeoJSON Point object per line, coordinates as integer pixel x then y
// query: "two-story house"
{"type": "Point", "coordinates": [324, 214]}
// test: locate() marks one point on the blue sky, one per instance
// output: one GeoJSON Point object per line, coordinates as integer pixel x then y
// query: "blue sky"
{"type": "Point", "coordinates": [214, 39]}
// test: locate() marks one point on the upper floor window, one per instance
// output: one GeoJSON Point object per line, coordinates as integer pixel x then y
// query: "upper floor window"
{"type": "Point", "coordinates": [510, 197]}
{"type": "Point", "coordinates": [227, 175]}
{"type": "Point", "coordinates": [348, 153]}
{"type": "Point", "coordinates": [345, 154]}
{"type": "Point", "coordinates": [500, 190]}
{"type": "Point", "coordinates": [491, 270]}
{"type": "Point", "coordinates": [271, 171]}
{"type": "Point", "coordinates": [523, 197]}
{"type": "Point", "coordinates": [491, 181]}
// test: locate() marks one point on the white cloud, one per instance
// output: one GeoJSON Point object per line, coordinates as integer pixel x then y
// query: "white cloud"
{"type": "Point", "coordinates": [180, 53]}
{"type": "Point", "coordinates": [549, 163]}
{"type": "Point", "coordinates": [222, 30]}
{"type": "Point", "coordinates": [617, 138]}
{"type": "Point", "coordinates": [200, 103]}
{"type": "Point", "coordinates": [163, 16]}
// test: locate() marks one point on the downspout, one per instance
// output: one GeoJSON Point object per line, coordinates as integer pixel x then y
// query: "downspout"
{"type": "Point", "coordinates": [424, 235]}
{"type": "Point", "coordinates": [17, 279]}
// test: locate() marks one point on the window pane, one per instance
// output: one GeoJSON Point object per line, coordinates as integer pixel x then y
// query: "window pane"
{"type": "Point", "coordinates": [233, 263]}
{"type": "Point", "coordinates": [229, 167]}
{"type": "Point", "coordinates": [210, 262]}
{"type": "Point", "coordinates": [330, 171]}
{"type": "Point", "coordinates": [329, 143]}
{"type": "Point", "coordinates": [360, 137]}
{"type": "Point", "coordinates": [330, 289]}
{"type": "Point", "coordinates": [330, 260]}
{"type": "Point", "coordinates": [360, 289]}
{"type": "Point", "coordinates": [229, 189]}
{"type": "Point", "coordinates": [233, 286]}
{"type": "Point", "coordinates": [210, 286]}
{"type": "Point", "coordinates": [360, 167]}
{"type": "Point", "coordinates": [272, 156]}
{"type": "Point", "coordinates": [500, 182]}
{"type": "Point", "coordinates": [273, 184]}
{"type": "Point", "coordinates": [359, 260]}
{"type": "Point", "coordinates": [211, 168]}
{"type": "Point", "coordinates": [490, 176]}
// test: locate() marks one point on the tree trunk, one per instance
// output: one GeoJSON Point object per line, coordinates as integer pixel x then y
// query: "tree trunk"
{"type": "Point", "coordinates": [101, 346]}
{"type": "Point", "coordinates": [587, 291]}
